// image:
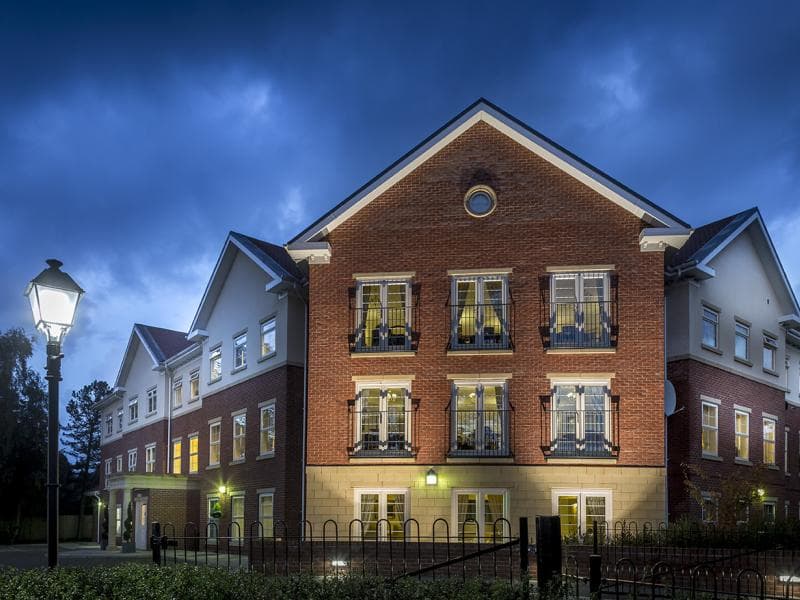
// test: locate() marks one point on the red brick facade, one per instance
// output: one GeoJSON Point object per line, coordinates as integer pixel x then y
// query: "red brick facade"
{"type": "Point", "coordinates": [692, 379]}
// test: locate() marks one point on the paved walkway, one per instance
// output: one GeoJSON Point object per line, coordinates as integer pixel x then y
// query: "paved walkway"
{"type": "Point", "coordinates": [70, 554]}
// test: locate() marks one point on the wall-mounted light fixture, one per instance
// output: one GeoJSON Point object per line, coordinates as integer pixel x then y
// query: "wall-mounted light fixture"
{"type": "Point", "coordinates": [222, 489]}
{"type": "Point", "coordinates": [431, 478]}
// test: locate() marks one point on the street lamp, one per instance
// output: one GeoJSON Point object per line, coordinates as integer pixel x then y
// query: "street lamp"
{"type": "Point", "coordinates": [54, 296]}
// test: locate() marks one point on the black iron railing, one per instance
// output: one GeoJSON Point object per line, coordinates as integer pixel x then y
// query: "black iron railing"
{"type": "Point", "coordinates": [383, 329]}
{"type": "Point", "coordinates": [382, 432]}
{"type": "Point", "coordinates": [481, 326]}
{"type": "Point", "coordinates": [581, 433]}
{"type": "Point", "coordinates": [480, 432]}
{"type": "Point", "coordinates": [583, 324]}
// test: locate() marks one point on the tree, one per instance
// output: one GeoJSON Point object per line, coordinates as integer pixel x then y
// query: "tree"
{"type": "Point", "coordinates": [82, 439]}
{"type": "Point", "coordinates": [733, 493]}
{"type": "Point", "coordinates": [23, 429]}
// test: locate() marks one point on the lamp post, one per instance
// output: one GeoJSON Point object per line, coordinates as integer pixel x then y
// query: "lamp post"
{"type": "Point", "coordinates": [54, 296]}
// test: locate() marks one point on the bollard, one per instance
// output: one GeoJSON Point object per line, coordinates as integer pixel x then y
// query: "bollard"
{"type": "Point", "coordinates": [594, 566]}
{"type": "Point", "coordinates": [548, 551]}
{"type": "Point", "coordinates": [155, 542]}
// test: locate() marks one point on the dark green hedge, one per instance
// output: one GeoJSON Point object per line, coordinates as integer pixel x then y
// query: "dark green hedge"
{"type": "Point", "coordinates": [147, 582]}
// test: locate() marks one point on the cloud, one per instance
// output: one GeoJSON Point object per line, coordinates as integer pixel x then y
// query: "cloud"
{"type": "Point", "coordinates": [783, 230]}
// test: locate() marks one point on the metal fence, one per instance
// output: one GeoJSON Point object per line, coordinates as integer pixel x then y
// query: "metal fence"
{"type": "Point", "coordinates": [480, 432]}
{"type": "Point", "coordinates": [589, 324]}
{"type": "Point", "coordinates": [482, 326]}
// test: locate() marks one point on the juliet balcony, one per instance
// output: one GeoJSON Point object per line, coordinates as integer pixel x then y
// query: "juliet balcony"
{"type": "Point", "coordinates": [382, 433]}
{"type": "Point", "coordinates": [481, 433]}
{"type": "Point", "coordinates": [580, 325]}
{"type": "Point", "coordinates": [488, 326]}
{"type": "Point", "coordinates": [581, 433]}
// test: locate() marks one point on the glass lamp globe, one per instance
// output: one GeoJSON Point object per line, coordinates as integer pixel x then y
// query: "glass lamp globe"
{"type": "Point", "coordinates": [54, 297]}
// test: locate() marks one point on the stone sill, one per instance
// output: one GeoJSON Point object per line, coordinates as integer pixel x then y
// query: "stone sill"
{"type": "Point", "coordinates": [743, 361]}
{"type": "Point", "coordinates": [399, 353]}
{"type": "Point", "coordinates": [713, 457]}
{"type": "Point", "coordinates": [711, 349]}
{"type": "Point", "coordinates": [503, 352]}
{"type": "Point", "coordinates": [742, 461]}
{"type": "Point", "coordinates": [265, 456]}
{"type": "Point", "coordinates": [238, 461]}
{"type": "Point", "coordinates": [362, 460]}
{"type": "Point", "coordinates": [581, 461]}
{"type": "Point", "coordinates": [480, 460]}
{"type": "Point", "coordinates": [581, 350]}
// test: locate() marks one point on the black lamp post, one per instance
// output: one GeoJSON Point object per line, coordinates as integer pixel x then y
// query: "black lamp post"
{"type": "Point", "coordinates": [54, 296]}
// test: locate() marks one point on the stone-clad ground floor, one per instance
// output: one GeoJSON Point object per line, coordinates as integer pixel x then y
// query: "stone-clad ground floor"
{"type": "Point", "coordinates": [484, 493]}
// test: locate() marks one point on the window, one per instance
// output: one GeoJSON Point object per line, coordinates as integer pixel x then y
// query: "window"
{"type": "Point", "coordinates": [742, 513]}
{"type": "Point", "coordinates": [109, 425]}
{"type": "Point", "coordinates": [177, 447]}
{"type": "Point", "coordinates": [240, 352]}
{"type": "Point", "coordinates": [479, 418]}
{"type": "Point", "coordinates": [770, 350]}
{"type": "Point", "coordinates": [152, 401]}
{"type": "Point", "coordinates": [710, 509]}
{"type": "Point", "coordinates": [580, 509]}
{"type": "Point", "coordinates": [150, 458]}
{"type": "Point", "coordinates": [479, 316]}
{"type": "Point", "coordinates": [742, 429]}
{"type": "Point", "coordinates": [769, 511]}
{"type": "Point", "coordinates": [382, 316]}
{"type": "Point", "coordinates": [480, 201]}
{"type": "Point", "coordinates": [237, 518]}
{"type": "Point", "coordinates": [108, 466]}
{"type": "Point", "coordinates": [786, 450]}
{"type": "Point", "coordinates": [214, 509]}
{"type": "Point", "coordinates": [265, 513]}
{"type": "Point", "coordinates": [477, 513]}
{"type": "Point", "coordinates": [710, 429]}
{"type": "Point", "coordinates": [213, 443]}
{"type": "Point", "coordinates": [119, 464]}
{"type": "Point", "coordinates": [120, 413]}
{"type": "Point", "coordinates": [132, 460]}
{"type": "Point", "coordinates": [177, 394]}
{"type": "Point", "coordinates": [118, 520]}
{"type": "Point", "coordinates": [769, 442]}
{"type": "Point", "coordinates": [215, 364]}
{"type": "Point", "coordinates": [710, 327]}
{"type": "Point", "coordinates": [267, 337]}
{"type": "Point", "coordinates": [266, 444]}
{"type": "Point", "coordinates": [742, 343]}
{"type": "Point", "coordinates": [376, 507]}
{"type": "Point", "coordinates": [194, 454]}
{"type": "Point", "coordinates": [581, 420]}
{"type": "Point", "coordinates": [133, 410]}
{"type": "Point", "coordinates": [382, 419]}
{"type": "Point", "coordinates": [239, 426]}
{"type": "Point", "coordinates": [580, 310]}
{"type": "Point", "coordinates": [194, 385]}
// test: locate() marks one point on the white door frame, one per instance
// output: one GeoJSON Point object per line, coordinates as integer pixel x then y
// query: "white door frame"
{"type": "Point", "coordinates": [140, 523]}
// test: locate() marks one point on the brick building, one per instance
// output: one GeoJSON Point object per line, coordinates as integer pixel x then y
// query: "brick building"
{"type": "Point", "coordinates": [733, 348]}
{"type": "Point", "coordinates": [486, 338]}
{"type": "Point", "coordinates": [205, 426]}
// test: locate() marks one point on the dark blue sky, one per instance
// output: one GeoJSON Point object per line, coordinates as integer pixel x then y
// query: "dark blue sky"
{"type": "Point", "coordinates": [132, 138]}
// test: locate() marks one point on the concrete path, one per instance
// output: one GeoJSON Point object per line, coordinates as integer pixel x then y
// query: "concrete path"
{"type": "Point", "coordinates": [70, 554]}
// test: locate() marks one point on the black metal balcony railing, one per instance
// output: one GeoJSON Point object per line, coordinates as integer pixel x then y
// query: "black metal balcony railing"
{"type": "Point", "coordinates": [583, 324]}
{"type": "Point", "coordinates": [480, 432]}
{"type": "Point", "coordinates": [481, 326]}
{"type": "Point", "coordinates": [581, 433]}
{"type": "Point", "coordinates": [383, 329]}
{"type": "Point", "coordinates": [382, 432]}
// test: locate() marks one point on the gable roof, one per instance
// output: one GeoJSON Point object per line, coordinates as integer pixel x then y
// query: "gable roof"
{"type": "Point", "coordinates": [162, 343]}
{"type": "Point", "coordinates": [707, 238]}
{"type": "Point", "coordinates": [273, 260]}
{"type": "Point", "coordinates": [483, 110]}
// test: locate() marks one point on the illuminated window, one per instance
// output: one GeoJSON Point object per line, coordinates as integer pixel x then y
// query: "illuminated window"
{"type": "Point", "coordinates": [478, 512]}
{"type": "Point", "coordinates": [265, 513]}
{"type": "Point", "coordinates": [710, 429]}
{"type": "Point", "coordinates": [479, 418]}
{"type": "Point", "coordinates": [769, 442]}
{"type": "Point", "coordinates": [383, 310]}
{"type": "Point", "coordinates": [194, 454]}
{"type": "Point", "coordinates": [580, 510]}
{"type": "Point", "coordinates": [580, 310]}
{"type": "Point", "coordinates": [382, 419]}
{"type": "Point", "coordinates": [177, 447]}
{"type": "Point", "coordinates": [480, 313]}
{"type": "Point", "coordinates": [376, 507]}
{"type": "Point", "coordinates": [237, 518]}
{"type": "Point", "coordinates": [742, 423]}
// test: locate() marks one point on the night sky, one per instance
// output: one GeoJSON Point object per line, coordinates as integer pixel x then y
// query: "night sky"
{"type": "Point", "coordinates": [133, 137]}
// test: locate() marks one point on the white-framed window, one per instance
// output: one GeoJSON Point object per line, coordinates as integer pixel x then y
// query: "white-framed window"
{"type": "Point", "coordinates": [239, 430]}
{"type": "Point", "coordinates": [108, 466]}
{"type": "Point", "coordinates": [579, 509]}
{"type": "Point", "coordinates": [214, 430]}
{"type": "Point", "coordinates": [194, 453]}
{"type": "Point", "coordinates": [710, 327]}
{"type": "Point", "coordinates": [119, 463]}
{"type": "Point", "coordinates": [118, 520]}
{"type": "Point", "coordinates": [237, 518]}
{"type": "Point", "coordinates": [240, 351]}
{"type": "Point", "coordinates": [742, 431]}
{"type": "Point", "coordinates": [120, 416]}
{"type": "Point", "coordinates": [212, 527]}
{"type": "Point", "coordinates": [709, 508]}
{"type": "Point", "coordinates": [382, 418]}
{"type": "Point", "coordinates": [480, 312]}
{"type": "Point", "coordinates": [710, 437]}
{"type": "Point", "coordinates": [768, 508]}
{"type": "Point", "coordinates": [380, 505]}
{"type": "Point", "coordinates": [215, 364]}
{"type": "Point", "coordinates": [383, 315]}
{"type": "Point", "coordinates": [109, 424]}
{"type": "Point", "coordinates": [132, 457]}
{"type": "Point", "coordinates": [479, 418]}
{"type": "Point", "coordinates": [150, 458]}
{"type": "Point", "coordinates": [152, 400]}
{"type": "Point", "coordinates": [177, 394]}
{"type": "Point", "coordinates": [581, 420]}
{"type": "Point", "coordinates": [266, 505]}
{"type": "Point", "coordinates": [268, 347]}
{"type": "Point", "coordinates": [266, 434]}
{"type": "Point", "coordinates": [194, 385]}
{"type": "Point", "coordinates": [479, 512]}
{"type": "Point", "coordinates": [133, 409]}
{"type": "Point", "coordinates": [742, 341]}
{"type": "Point", "coordinates": [177, 458]}
{"type": "Point", "coordinates": [768, 442]}
{"type": "Point", "coordinates": [786, 450]}
{"type": "Point", "coordinates": [770, 352]}
{"type": "Point", "coordinates": [580, 310]}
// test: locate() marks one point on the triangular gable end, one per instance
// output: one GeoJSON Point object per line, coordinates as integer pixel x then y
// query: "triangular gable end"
{"type": "Point", "coordinates": [485, 111]}
{"type": "Point", "coordinates": [135, 341]}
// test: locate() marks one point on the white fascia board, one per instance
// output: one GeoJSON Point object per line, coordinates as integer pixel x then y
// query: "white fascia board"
{"type": "Point", "coordinates": [246, 251]}
{"type": "Point", "coordinates": [184, 355]}
{"type": "Point", "coordinates": [658, 238]}
{"type": "Point", "coordinates": [153, 357]}
{"type": "Point", "coordinates": [207, 291]}
{"type": "Point", "coordinates": [197, 335]}
{"type": "Point", "coordinates": [790, 321]}
{"type": "Point", "coordinates": [535, 144]}
{"type": "Point", "coordinates": [313, 252]}
{"type": "Point", "coordinates": [733, 235]}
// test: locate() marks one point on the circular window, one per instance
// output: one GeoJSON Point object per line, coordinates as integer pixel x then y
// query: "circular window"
{"type": "Point", "coordinates": [480, 201]}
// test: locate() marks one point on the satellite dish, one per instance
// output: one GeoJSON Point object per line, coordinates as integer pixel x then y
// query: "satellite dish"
{"type": "Point", "coordinates": [670, 399]}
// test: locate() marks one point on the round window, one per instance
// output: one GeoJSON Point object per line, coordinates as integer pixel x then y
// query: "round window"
{"type": "Point", "coordinates": [480, 201]}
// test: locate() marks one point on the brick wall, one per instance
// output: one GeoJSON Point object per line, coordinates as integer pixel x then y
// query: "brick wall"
{"type": "Point", "coordinates": [139, 438]}
{"type": "Point", "coordinates": [692, 378]}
